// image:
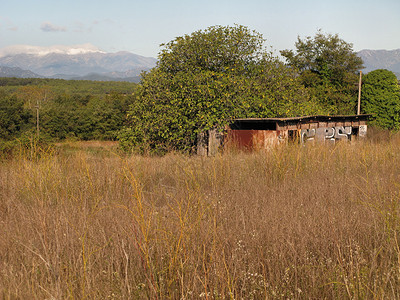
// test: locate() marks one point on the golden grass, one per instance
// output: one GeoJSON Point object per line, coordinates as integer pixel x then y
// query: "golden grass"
{"type": "Point", "coordinates": [294, 223]}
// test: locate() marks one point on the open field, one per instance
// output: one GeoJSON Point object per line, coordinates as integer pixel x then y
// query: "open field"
{"type": "Point", "coordinates": [294, 223]}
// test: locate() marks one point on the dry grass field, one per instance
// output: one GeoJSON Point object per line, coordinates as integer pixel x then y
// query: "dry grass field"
{"type": "Point", "coordinates": [294, 223]}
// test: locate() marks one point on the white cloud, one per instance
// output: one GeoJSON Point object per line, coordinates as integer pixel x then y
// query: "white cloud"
{"type": "Point", "coordinates": [49, 27]}
{"type": "Point", "coordinates": [60, 49]}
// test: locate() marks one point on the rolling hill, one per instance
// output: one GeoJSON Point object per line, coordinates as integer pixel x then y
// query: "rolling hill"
{"type": "Point", "coordinates": [104, 66]}
{"type": "Point", "coordinates": [381, 59]}
{"type": "Point", "coordinates": [17, 72]}
{"type": "Point", "coordinates": [94, 64]}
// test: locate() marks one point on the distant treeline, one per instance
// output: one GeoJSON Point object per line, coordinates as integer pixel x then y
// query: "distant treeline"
{"type": "Point", "coordinates": [12, 84]}
{"type": "Point", "coordinates": [67, 108]}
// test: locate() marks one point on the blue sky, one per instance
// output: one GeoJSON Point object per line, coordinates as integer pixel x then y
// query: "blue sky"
{"type": "Point", "coordinates": [141, 26]}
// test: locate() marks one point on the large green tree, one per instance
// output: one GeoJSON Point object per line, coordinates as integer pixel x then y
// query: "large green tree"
{"type": "Point", "coordinates": [328, 67]}
{"type": "Point", "coordinates": [206, 79]}
{"type": "Point", "coordinates": [381, 97]}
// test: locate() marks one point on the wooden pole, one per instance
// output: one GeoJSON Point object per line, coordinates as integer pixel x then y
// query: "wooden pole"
{"type": "Point", "coordinates": [359, 95]}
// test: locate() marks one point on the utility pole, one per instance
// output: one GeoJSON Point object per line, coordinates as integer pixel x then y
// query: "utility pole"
{"type": "Point", "coordinates": [359, 95]}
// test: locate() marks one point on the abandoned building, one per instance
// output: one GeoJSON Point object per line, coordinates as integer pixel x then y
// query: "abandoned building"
{"type": "Point", "coordinates": [262, 133]}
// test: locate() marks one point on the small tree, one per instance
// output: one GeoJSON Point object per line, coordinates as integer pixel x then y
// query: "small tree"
{"type": "Point", "coordinates": [381, 97]}
{"type": "Point", "coordinates": [33, 96]}
{"type": "Point", "coordinates": [328, 66]}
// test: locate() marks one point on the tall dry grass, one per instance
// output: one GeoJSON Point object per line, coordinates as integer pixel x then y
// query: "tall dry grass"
{"type": "Point", "coordinates": [293, 223]}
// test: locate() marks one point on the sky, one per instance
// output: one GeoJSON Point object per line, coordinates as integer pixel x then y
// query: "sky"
{"type": "Point", "coordinates": [140, 26]}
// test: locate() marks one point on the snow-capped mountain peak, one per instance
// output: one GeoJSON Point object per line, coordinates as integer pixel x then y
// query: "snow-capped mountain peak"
{"type": "Point", "coordinates": [42, 51]}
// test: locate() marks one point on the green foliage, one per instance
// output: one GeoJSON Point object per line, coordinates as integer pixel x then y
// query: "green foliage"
{"type": "Point", "coordinates": [15, 122]}
{"type": "Point", "coordinates": [68, 109]}
{"type": "Point", "coordinates": [14, 118]}
{"type": "Point", "coordinates": [328, 67]}
{"type": "Point", "coordinates": [218, 49]}
{"type": "Point", "coordinates": [205, 80]}
{"type": "Point", "coordinates": [84, 117]}
{"type": "Point", "coordinates": [69, 87]}
{"type": "Point", "coordinates": [381, 97]}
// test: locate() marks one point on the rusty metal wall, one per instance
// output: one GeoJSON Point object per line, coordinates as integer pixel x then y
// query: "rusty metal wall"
{"type": "Point", "coordinates": [250, 140]}
{"type": "Point", "coordinates": [255, 140]}
{"type": "Point", "coordinates": [262, 134]}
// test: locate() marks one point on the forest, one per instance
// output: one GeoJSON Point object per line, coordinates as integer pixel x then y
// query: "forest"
{"type": "Point", "coordinates": [54, 110]}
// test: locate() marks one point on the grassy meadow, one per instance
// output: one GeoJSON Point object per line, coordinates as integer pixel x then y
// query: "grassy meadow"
{"type": "Point", "coordinates": [84, 222]}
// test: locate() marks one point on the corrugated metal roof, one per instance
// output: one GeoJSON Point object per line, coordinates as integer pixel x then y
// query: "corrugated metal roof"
{"type": "Point", "coordinates": [297, 122]}
{"type": "Point", "coordinates": [306, 118]}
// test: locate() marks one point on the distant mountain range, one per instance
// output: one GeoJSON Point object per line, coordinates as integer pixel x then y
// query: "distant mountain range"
{"type": "Point", "coordinates": [17, 72]}
{"type": "Point", "coordinates": [381, 59]}
{"type": "Point", "coordinates": [92, 64]}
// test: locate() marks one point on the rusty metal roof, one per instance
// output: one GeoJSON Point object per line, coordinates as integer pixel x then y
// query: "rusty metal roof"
{"type": "Point", "coordinates": [308, 118]}
{"type": "Point", "coordinates": [297, 122]}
